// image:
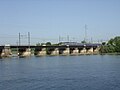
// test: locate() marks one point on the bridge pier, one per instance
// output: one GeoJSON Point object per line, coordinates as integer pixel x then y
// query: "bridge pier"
{"type": "Point", "coordinates": [27, 52]}
{"type": "Point", "coordinates": [89, 50]}
{"type": "Point", "coordinates": [66, 51]}
{"type": "Point", "coordinates": [0, 52]}
{"type": "Point", "coordinates": [75, 51]}
{"type": "Point", "coordinates": [83, 51]}
{"type": "Point", "coordinates": [5, 52]}
{"type": "Point", "coordinates": [55, 52]}
{"type": "Point", "coordinates": [96, 50]}
{"type": "Point", "coordinates": [40, 52]}
{"type": "Point", "coordinates": [24, 52]}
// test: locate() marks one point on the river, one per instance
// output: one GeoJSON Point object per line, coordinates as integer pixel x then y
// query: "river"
{"type": "Point", "coordinates": [85, 72]}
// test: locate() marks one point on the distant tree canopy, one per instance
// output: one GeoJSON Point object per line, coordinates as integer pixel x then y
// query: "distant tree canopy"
{"type": "Point", "coordinates": [112, 46]}
{"type": "Point", "coordinates": [38, 44]}
{"type": "Point", "coordinates": [83, 42]}
{"type": "Point", "coordinates": [48, 44]}
{"type": "Point", "coordinates": [41, 44]}
{"type": "Point", "coordinates": [115, 43]}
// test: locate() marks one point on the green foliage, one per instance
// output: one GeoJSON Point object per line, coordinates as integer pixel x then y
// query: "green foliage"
{"type": "Point", "coordinates": [55, 44]}
{"type": "Point", "coordinates": [48, 44]}
{"type": "Point", "coordinates": [60, 43]}
{"type": "Point", "coordinates": [112, 46]}
{"type": "Point", "coordinates": [103, 43]}
{"type": "Point", "coordinates": [115, 43]}
{"type": "Point", "coordinates": [83, 41]}
{"type": "Point", "coordinates": [43, 44]}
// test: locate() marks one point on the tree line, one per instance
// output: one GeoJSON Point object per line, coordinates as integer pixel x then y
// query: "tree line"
{"type": "Point", "coordinates": [112, 46]}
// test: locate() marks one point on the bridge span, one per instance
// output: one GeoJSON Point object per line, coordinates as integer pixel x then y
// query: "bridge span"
{"type": "Point", "coordinates": [25, 50]}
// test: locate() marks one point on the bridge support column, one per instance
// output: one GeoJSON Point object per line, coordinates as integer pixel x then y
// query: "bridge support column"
{"type": "Point", "coordinates": [83, 51]}
{"type": "Point", "coordinates": [66, 51]}
{"type": "Point", "coordinates": [75, 51]}
{"type": "Point", "coordinates": [96, 50]}
{"type": "Point", "coordinates": [42, 52]}
{"type": "Point", "coordinates": [55, 52]}
{"type": "Point", "coordinates": [0, 52]}
{"type": "Point", "coordinates": [26, 53]}
{"type": "Point", "coordinates": [6, 52]}
{"type": "Point", "coordinates": [90, 51]}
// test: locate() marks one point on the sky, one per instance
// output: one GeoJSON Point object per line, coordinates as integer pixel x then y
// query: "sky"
{"type": "Point", "coordinates": [47, 20]}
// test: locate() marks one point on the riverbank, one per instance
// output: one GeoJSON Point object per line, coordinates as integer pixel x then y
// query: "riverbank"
{"type": "Point", "coordinates": [109, 53]}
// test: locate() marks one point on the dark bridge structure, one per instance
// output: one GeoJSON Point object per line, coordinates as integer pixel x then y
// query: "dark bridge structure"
{"type": "Point", "coordinates": [26, 50]}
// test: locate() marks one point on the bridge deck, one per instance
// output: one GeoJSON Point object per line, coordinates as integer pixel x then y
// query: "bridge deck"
{"type": "Point", "coordinates": [62, 46]}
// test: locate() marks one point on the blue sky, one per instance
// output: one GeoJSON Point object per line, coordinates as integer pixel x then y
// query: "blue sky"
{"type": "Point", "coordinates": [46, 20]}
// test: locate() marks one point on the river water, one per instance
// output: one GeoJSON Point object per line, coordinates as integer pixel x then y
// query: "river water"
{"type": "Point", "coordinates": [87, 72]}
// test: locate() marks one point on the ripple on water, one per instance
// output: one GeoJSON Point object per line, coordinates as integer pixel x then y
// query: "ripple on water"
{"type": "Point", "coordinates": [61, 73]}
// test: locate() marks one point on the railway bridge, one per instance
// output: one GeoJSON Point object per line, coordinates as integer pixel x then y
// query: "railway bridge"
{"type": "Point", "coordinates": [24, 50]}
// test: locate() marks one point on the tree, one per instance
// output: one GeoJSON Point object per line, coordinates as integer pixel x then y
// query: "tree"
{"type": "Point", "coordinates": [112, 46]}
{"type": "Point", "coordinates": [103, 43]}
{"type": "Point", "coordinates": [48, 44]}
{"type": "Point", "coordinates": [115, 43]}
{"type": "Point", "coordinates": [83, 42]}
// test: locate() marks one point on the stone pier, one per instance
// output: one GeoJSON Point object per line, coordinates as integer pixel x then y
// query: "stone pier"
{"type": "Point", "coordinates": [26, 52]}
{"type": "Point", "coordinates": [90, 51]}
{"type": "Point", "coordinates": [40, 52]}
{"type": "Point", "coordinates": [75, 51]}
{"type": "Point", "coordinates": [66, 51]}
{"type": "Point", "coordinates": [55, 52]}
{"type": "Point", "coordinates": [96, 50]}
{"type": "Point", "coordinates": [6, 52]}
{"type": "Point", "coordinates": [83, 51]}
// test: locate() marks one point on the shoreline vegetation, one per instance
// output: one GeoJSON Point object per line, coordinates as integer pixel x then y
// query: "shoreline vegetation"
{"type": "Point", "coordinates": [111, 47]}
{"type": "Point", "coordinates": [109, 53]}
